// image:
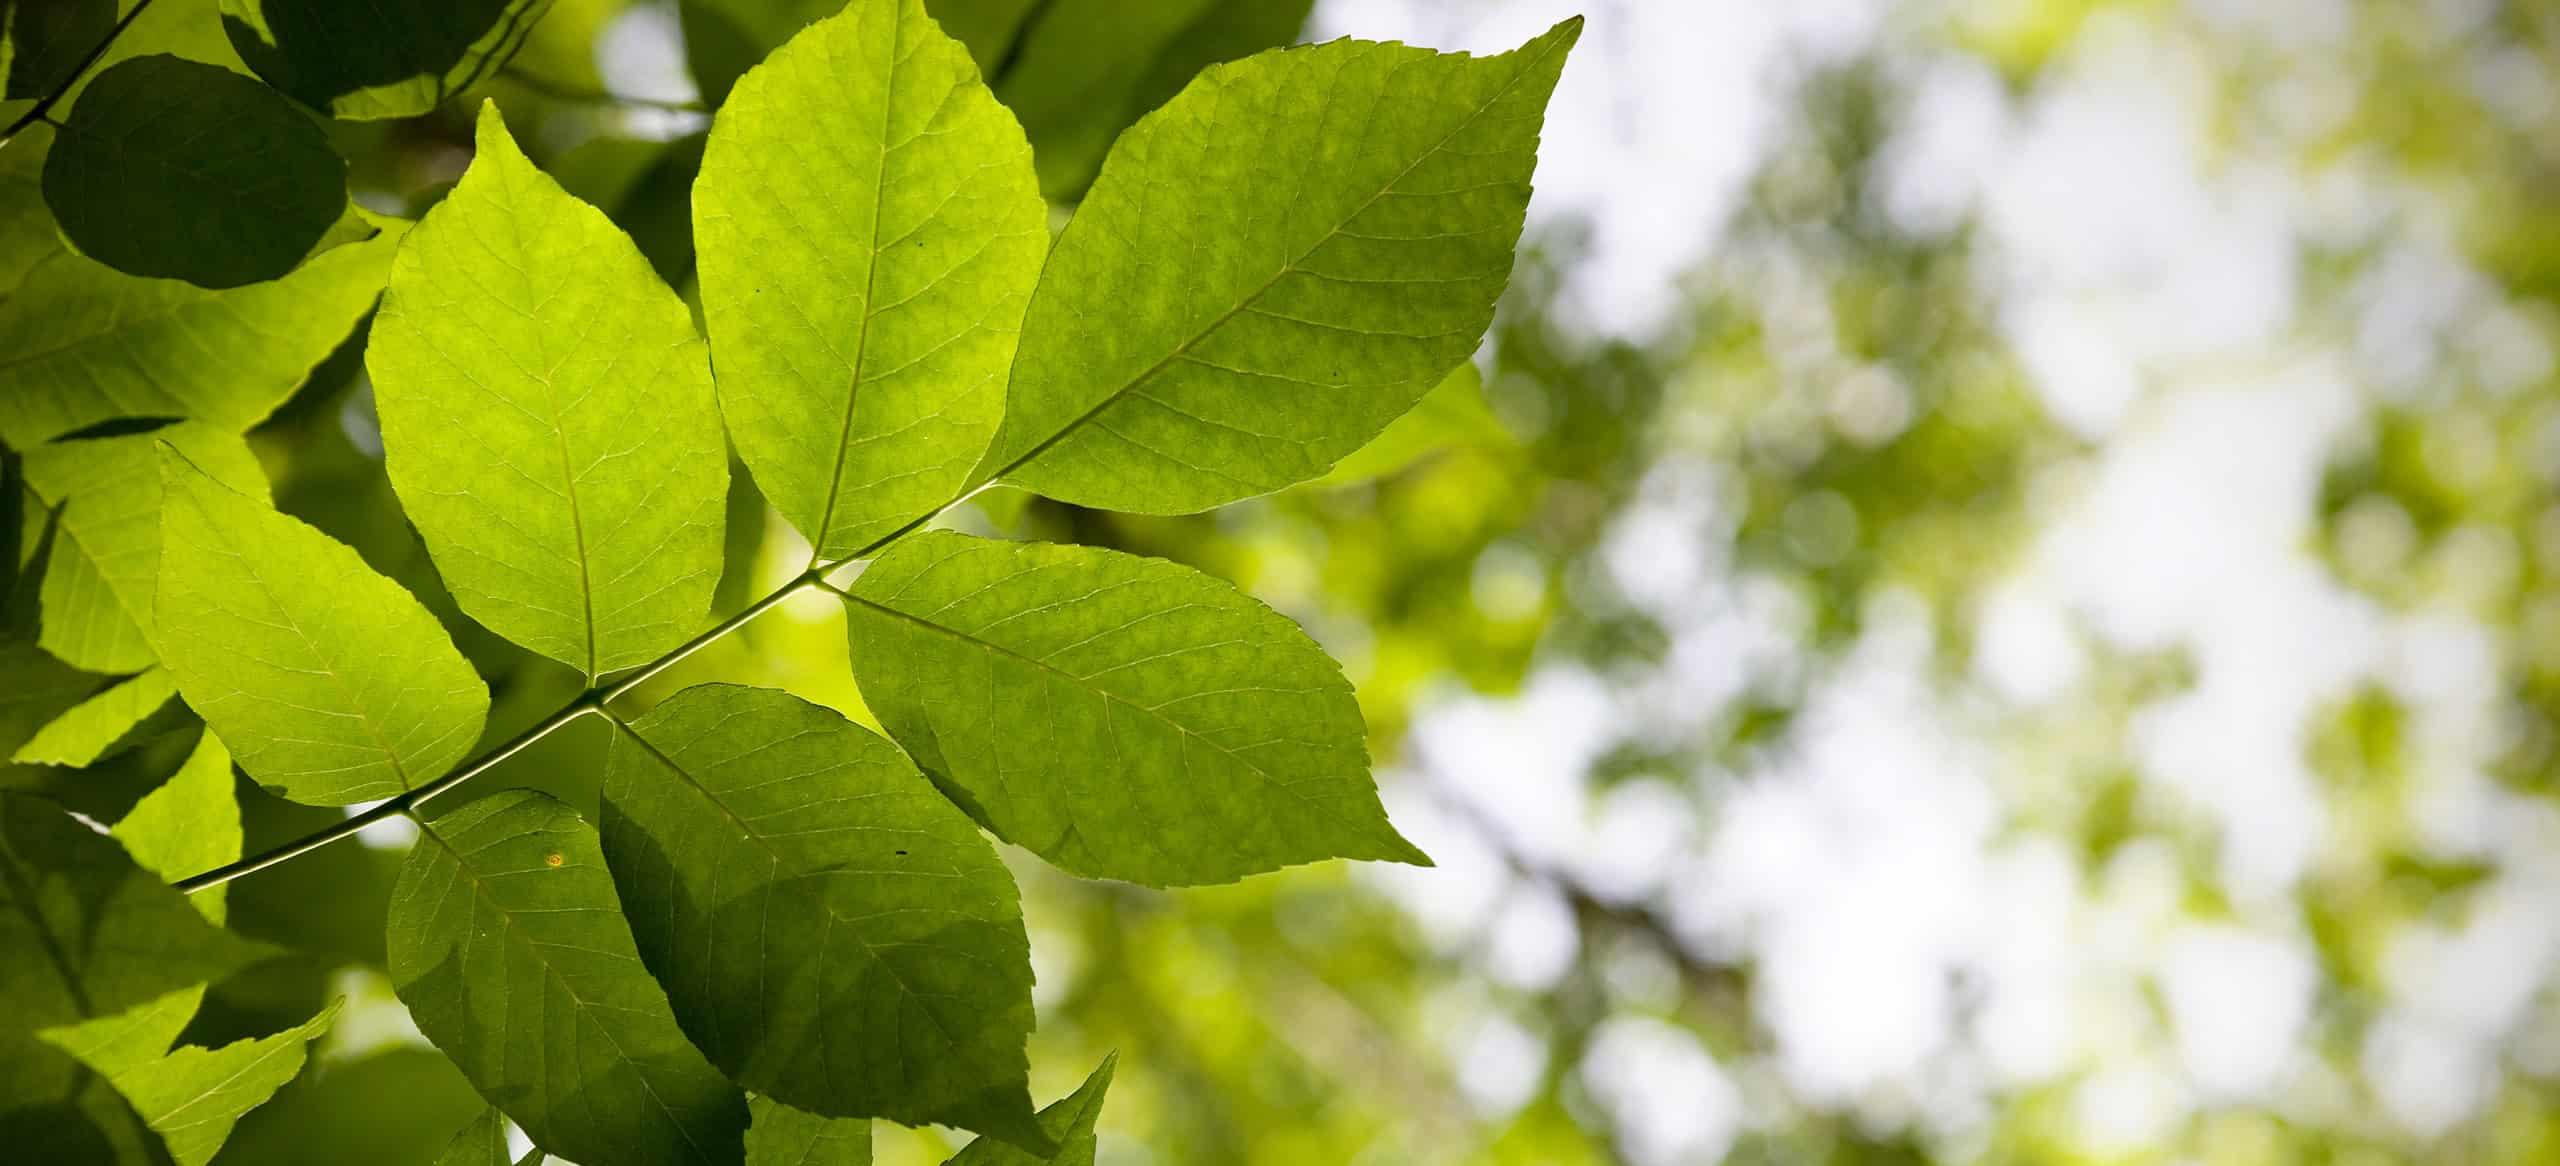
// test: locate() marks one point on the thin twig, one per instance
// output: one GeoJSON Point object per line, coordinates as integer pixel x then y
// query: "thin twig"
{"type": "Point", "coordinates": [44, 105]}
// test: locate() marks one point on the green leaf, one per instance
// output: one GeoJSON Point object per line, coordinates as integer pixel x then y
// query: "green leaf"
{"type": "Point", "coordinates": [1086, 69]}
{"type": "Point", "coordinates": [869, 232]}
{"type": "Point", "coordinates": [725, 38]}
{"type": "Point", "coordinates": [84, 934]}
{"type": "Point", "coordinates": [85, 733]}
{"type": "Point", "coordinates": [380, 59]}
{"type": "Point", "coordinates": [82, 343]}
{"type": "Point", "coordinates": [1288, 255]}
{"type": "Point", "coordinates": [1123, 717]}
{"type": "Point", "coordinates": [510, 949]}
{"type": "Point", "coordinates": [329, 683]}
{"type": "Point", "coordinates": [548, 419]}
{"type": "Point", "coordinates": [783, 1136]}
{"type": "Point", "coordinates": [833, 933]}
{"type": "Point", "coordinates": [987, 27]}
{"type": "Point", "coordinates": [189, 825]}
{"type": "Point", "coordinates": [337, 1117]}
{"type": "Point", "coordinates": [1069, 1121]}
{"type": "Point", "coordinates": [482, 1143]}
{"type": "Point", "coordinates": [1453, 415]}
{"type": "Point", "coordinates": [191, 1096]}
{"type": "Point", "coordinates": [169, 167]}
{"type": "Point", "coordinates": [106, 555]}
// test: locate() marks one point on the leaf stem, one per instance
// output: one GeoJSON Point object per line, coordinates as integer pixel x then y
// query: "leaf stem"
{"type": "Point", "coordinates": [44, 105]}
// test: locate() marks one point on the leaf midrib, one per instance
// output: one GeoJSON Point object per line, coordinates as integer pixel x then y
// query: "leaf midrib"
{"type": "Point", "coordinates": [870, 284]}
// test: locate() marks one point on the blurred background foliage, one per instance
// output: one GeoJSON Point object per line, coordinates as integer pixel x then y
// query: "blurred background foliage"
{"type": "Point", "coordinates": [1995, 597]}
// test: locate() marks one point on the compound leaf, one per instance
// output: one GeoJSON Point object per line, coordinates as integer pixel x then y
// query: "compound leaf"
{"type": "Point", "coordinates": [380, 59]}
{"type": "Point", "coordinates": [330, 683]}
{"type": "Point", "coordinates": [174, 168]}
{"type": "Point", "coordinates": [190, 1096]}
{"type": "Point", "coordinates": [833, 933]}
{"type": "Point", "coordinates": [869, 231]}
{"type": "Point", "coordinates": [1068, 1120]}
{"type": "Point", "coordinates": [548, 419]}
{"type": "Point", "coordinates": [85, 733]}
{"type": "Point", "coordinates": [783, 1136]}
{"type": "Point", "coordinates": [1271, 268]}
{"type": "Point", "coordinates": [81, 342]}
{"type": "Point", "coordinates": [510, 949]}
{"type": "Point", "coordinates": [1123, 717]}
{"type": "Point", "coordinates": [98, 584]}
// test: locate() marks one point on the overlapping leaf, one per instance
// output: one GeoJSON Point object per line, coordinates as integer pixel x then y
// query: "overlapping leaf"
{"type": "Point", "coordinates": [189, 1096]}
{"type": "Point", "coordinates": [382, 58]}
{"type": "Point", "coordinates": [833, 933]}
{"type": "Point", "coordinates": [98, 584]}
{"type": "Point", "coordinates": [1343, 217]}
{"type": "Point", "coordinates": [1068, 1121]}
{"type": "Point", "coordinates": [783, 1136]}
{"type": "Point", "coordinates": [174, 168]}
{"type": "Point", "coordinates": [482, 1143]}
{"type": "Point", "coordinates": [329, 683]}
{"type": "Point", "coordinates": [547, 417]}
{"type": "Point", "coordinates": [1123, 717]}
{"type": "Point", "coordinates": [190, 825]}
{"type": "Point", "coordinates": [85, 933]}
{"type": "Point", "coordinates": [93, 726]}
{"type": "Point", "coordinates": [82, 343]}
{"type": "Point", "coordinates": [510, 949]}
{"type": "Point", "coordinates": [869, 231]}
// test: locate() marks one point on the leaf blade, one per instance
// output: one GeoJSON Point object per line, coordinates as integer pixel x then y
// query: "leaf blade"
{"type": "Point", "coordinates": [485, 871]}
{"type": "Point", "coordinates": [327, 681]}
{"type": "Point", "coordinates": [85, 733]}
{"type": "Point", "coordinates": [570, 492]}
{"type": "Point", "coordinates": [1122, 717]}
{"type": "Point", "coordinates": [913, 1000]}
{"type": "Point", "coordinates": [1314, 305]}
{"type": "Point", "coordinates": [1069, 1120]}
{"type": "Point", "coordinates": [399, 58]}
{"type": "Point", "coordinates": [869, 230]}
{"type": "Point", "coordinates": [783, 1136]}
{"type": "Point", "coordinates": [190, 1096]}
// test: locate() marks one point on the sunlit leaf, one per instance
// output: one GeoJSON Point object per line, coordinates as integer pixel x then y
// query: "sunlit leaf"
{"type": "Point", "coordinates": [833, 933]}
{"type": "Point", "coordinates": [1335, 265]}
{"type": "Point", "coordinates": [869, 232]}
{"type": "Point", "coordinates": [99, 581]}
{"type": "Point", "coordinates": [1451, 416]}
{"type": "Point", "coordinates": [190, 1096]}
{"type": "Point", "coordinates": [509, 947]}
{"type": "Point", "coordinates": [381, 58]}
{"type": "Point", "coordinates": [85, 733]}
{"type": "Point", "coordinates": [172, 168]}
{"type": "Point", "coordinates": [190, 825]}
{"type": "Point", "coordinates": [329, 683]}
{"type": "Point", "coordinates": [1123, 717]}
{"type": "Point", "coordinates": [547, 417]}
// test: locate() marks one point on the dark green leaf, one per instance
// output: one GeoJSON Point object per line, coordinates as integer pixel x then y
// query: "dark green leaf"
{"type": "Point", "coordinates": [81, 342]}
{"type": "Point", "coordinates": [169, 167]}
{"type": "Point", "coordinates": [508, 945]}
{"type": "Point", "coordinates": [337, 1116]}
{"type": "Point", "coordinates": [1069, 1120]}
{"type": "Point", "coordinates": [783, 1136]}
{"type": "Point", "coordinates": [1336, 264]}
{"type": "Point", "coordinates": [1123, 717]}
{"type": "Point", "coordinates": [833, 933]}
{"type": "Point", "coordinates": [329, 683]}
{"type": "Point", "coordinates": [47, 39]}
{"type": "Point", "coordinates": [869, 232]}
{"type": "Point", "coordinates": [547, 416]}
{"type": "Point", "coordinates": [380, 58]}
